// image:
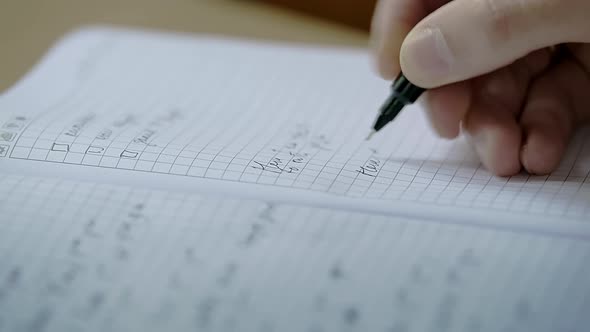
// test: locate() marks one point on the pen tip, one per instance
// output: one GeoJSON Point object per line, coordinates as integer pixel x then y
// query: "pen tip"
{"type": "Point", "coordinates": [370, 135]}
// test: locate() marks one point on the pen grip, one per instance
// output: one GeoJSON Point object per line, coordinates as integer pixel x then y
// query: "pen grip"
{"type": "Point", "coordinates": [405, 91]}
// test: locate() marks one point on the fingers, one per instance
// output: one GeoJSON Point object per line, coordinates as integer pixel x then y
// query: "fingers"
{"type": "Point", "coordinates": [468, 38]}
{"type": "Point", "coordinates": [392, 21]}
{"type": "Point", "coordinates": [505, 138]}
{"type": "Point", "coordinates": [491, 123]}
{"type": "Point", "coordinates": [447, 106]}
{"type": "Point", "coordinates": [557, 103]}
{"type": "Point", "coordinates": [581, 55]}
{"type": "Point", "coordinates": [497, 100]}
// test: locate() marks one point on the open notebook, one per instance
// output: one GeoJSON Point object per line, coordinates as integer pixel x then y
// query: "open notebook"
{"type": "Point", "coordinates": [153, 181]}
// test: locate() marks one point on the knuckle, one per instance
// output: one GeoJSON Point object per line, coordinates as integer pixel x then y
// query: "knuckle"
{"type": "Point", "coordinates": [510, 20]}
{"type": "Point", "coordinates": [503, 17]}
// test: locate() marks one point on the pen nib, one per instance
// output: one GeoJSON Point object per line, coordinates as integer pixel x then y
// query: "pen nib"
{"type": "Point", "coordinates": [370, 135]}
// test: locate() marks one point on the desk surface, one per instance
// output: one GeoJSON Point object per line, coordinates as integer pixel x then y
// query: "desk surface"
{"type": "Point", "coordinates": [28, 28]}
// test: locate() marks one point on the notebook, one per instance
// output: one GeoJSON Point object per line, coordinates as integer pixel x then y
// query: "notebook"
{"type": "Point", "coordinates": [158, 181]}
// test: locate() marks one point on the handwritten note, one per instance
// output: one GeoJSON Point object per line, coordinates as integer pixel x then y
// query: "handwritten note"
{"type": "Point", "coordinates": [183, 190]}
{"type": "Point", "coordinates": [281, 117]}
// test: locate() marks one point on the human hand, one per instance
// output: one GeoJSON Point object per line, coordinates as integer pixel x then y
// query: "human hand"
{"type": "Point", "coordinates": [491, 72]}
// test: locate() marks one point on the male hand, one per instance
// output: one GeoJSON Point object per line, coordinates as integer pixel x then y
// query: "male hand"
{"type": "Point", "coordinates": [492, 72]}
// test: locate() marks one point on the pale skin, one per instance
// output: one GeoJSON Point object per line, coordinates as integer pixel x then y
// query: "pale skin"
{"type": "Point", "coordinates": [492, 73]}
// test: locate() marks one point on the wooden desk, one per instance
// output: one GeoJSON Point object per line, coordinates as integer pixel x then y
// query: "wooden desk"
{"type": "Point", "coordinates": [28, 27]}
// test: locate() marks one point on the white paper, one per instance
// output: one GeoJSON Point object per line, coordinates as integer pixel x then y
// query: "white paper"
{"type": "Point", "coordinates": [155, 182]}
{"type": "Point", "coordinates": [98, 257]}
{"type": "Point", "coordinates": [285, 121]}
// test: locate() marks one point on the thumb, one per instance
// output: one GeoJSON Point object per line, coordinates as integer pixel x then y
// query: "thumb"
{"type": "Point", "coordinates": [468, 38]}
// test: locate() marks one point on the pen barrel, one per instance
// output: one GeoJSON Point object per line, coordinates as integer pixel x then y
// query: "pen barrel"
{"type": "Point", "coordinates": [405, 91]}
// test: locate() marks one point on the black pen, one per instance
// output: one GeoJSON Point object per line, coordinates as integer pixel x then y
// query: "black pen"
{"type": "Point", "coordinates": [403, 93]}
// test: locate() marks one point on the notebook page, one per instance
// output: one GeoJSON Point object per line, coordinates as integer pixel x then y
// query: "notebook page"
{"type": "Point", "coordinates": [97, 257]}
{"type": "Point", "coordinates": [280, 119]}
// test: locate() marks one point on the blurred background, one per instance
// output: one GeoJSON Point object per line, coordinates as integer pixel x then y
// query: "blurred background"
{"type": "Point", "coordinates": [29, 27]}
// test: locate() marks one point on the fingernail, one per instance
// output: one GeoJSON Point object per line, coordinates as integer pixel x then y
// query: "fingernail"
{"type": "Point", "coordinates": [427, 51]}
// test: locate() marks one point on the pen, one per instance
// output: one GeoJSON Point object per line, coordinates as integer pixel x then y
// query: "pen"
{"type": "Point", "coordinates": [403, 93]}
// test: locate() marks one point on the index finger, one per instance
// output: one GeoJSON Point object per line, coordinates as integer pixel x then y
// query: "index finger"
{"type": "Point", "coordinates": [392, 21]}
